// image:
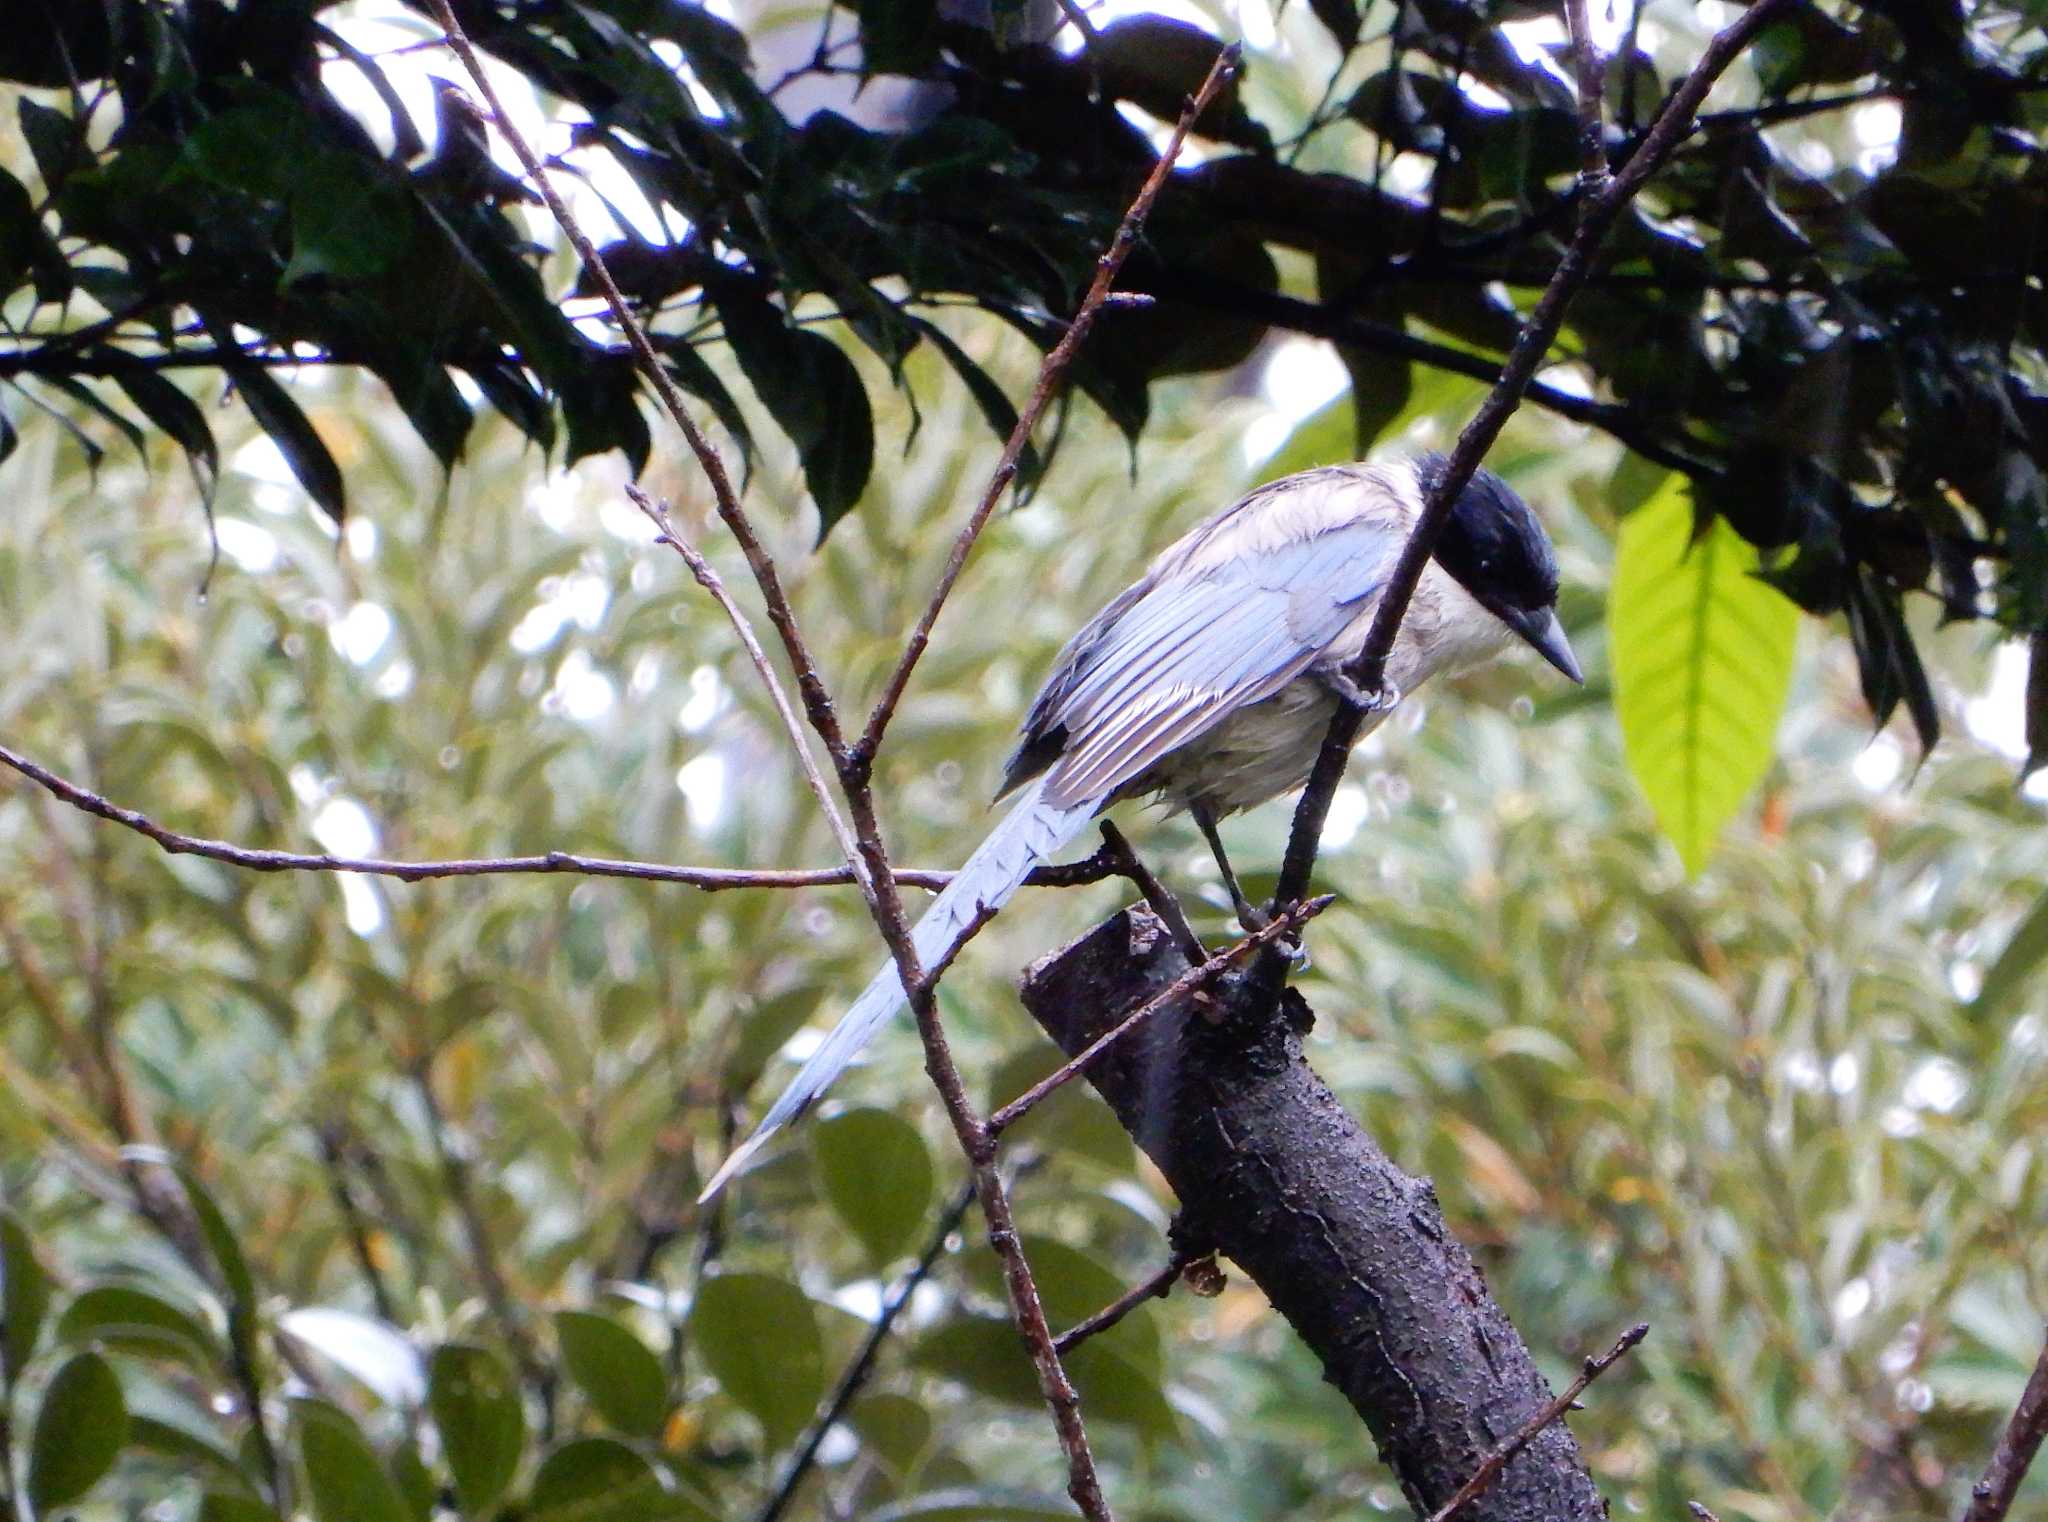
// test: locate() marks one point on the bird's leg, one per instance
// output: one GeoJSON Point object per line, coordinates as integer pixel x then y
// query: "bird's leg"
{"type": "Point", "coordinates": [1355, 696]}
{"type": "Point", "coordinates": [1205, 820]}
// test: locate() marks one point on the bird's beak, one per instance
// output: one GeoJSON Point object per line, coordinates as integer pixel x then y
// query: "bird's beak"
{"type": "Point", "coordinates": [1539, 626]}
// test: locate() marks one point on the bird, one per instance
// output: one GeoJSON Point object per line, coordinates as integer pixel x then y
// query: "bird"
{"type": "Point", "coordinates": [1211, 681]}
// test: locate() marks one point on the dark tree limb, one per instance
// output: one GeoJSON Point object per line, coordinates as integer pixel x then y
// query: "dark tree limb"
{"type": "Point", "coordinates": [1276, 1175]}
{"type": "Point", "coordinates": [1991, 1497]}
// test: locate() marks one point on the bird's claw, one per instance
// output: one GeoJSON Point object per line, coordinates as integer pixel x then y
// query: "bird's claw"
{"type": "Point", "coordinates": [1355, 696]}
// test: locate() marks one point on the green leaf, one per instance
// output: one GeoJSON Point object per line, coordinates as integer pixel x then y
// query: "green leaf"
{"type": "Point", "coordinates": [225, 1506]}
{"type": "Point", "coordinates": [137, 1320]}
{"type": "Point", "coordinates": [184, 1445]}
{"type": "Point", "coordinates": [293, 433]}
{"type": "Point", "coordinates": [584, 1468]}
{"type": "Point", "coordinates": [622, 1379]}
{"type": "Point", "coordinates": [24, 1297]}
{"type": "Point", "coordinates": [1702, 655]}
{"type": "Point", "coordinates": [876, 1172]}
{"type": "Point", "coordinates": [988, 398]}
{"type": "Point", "coordinates": [345, 221]}
{"type": "Point", "coordinates": [600, 1479]}
{"type": "Point", "coordinates": [2015, 966]}
{"type": "Point", "coordinates": [475, 1403]}
{"type": "Point", "coordinates": [759, 1337]}
{"type": "Point", "coordinates": [179, 416]}
{"type": "Point", "coordinates": [344, 1480]}
{"type": "Point", "coordinates": [974, 1504]}
{"type": "Point", "coordinates": [52, 138]}
{"type": "Point", "coordinates": [78, 1434]}
{"type": "Point", "coordinates": [814, 393]}
{"type": "Point", "coordinates": [897, 1427]}
{"type": "Point", "coordinates": [220, 1241]}
{"type": "Point", "coordinates": [898, 36]}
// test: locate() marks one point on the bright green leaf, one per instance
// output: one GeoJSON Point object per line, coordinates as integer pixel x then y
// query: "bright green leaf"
{"type": "Point", "coordinates": [1702, 655]}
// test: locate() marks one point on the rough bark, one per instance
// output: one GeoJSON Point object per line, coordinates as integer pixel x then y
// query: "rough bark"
{"type": "Point", "coordinates": [1275, 1174]}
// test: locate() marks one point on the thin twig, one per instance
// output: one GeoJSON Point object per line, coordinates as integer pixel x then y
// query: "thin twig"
{"type": "Point", "coordinates": [1154, 1287]}
{"type": "Point", "coordinates": [712, 582]}
{"type": "Point", "coordinates": [1991, 1497]}
{"type": "Point", "coordinates": [856, 1373]}
{"type": "Point", "coordinates": [855, 777]}
{"type": "Point", "coordinates": [1597, 213]}
{"type": "Point", "coordinates": [1049, 377]}
{"type": "Point", "coordinates": [1490, 1467]}
{"type": "Point", "coordinates": [1195, 977]}
{"type": "Point", "coordinates": [505, 1307]}
{"type": "Point", "coordinates": [1591, 69]}
{"type": "Point", "coordinates": [1701, 1511]}
{"type": "Point", "coordinates": [1092, 869]}
{"type": "Point", "coordinates": [331, 1139]}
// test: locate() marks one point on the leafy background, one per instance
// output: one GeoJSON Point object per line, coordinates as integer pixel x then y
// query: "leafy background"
{"type": "Point", "coordinates": [412, 1162]}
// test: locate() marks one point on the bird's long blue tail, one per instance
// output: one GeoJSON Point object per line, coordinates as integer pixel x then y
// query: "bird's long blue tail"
{"type": "Point", "coordinates": [1029, 833]}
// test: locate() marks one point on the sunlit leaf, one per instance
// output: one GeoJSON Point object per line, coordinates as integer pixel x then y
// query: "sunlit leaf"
{"type": "Point", "coordinates": [1702, 656]}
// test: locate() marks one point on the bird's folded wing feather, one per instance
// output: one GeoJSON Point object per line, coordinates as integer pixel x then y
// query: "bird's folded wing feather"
{"type": "Point", "coordinates": [1196, 647]}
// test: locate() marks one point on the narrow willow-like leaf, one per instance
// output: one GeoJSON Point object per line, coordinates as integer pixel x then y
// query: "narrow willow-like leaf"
{"type": "Point", "coordinates": [1702, 654]}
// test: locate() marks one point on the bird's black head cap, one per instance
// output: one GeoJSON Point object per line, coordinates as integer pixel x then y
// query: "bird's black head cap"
{"type": "Point", "coordinates": [1494, 544]}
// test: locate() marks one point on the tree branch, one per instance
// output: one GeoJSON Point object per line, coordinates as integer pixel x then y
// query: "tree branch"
{"type": "Point", "coordinates": [855, 1375]}
{"type": "Point", "coordinates": [1490, 1468]}
{"type": "Point", "coordinates": [1274, 1174]}
{"type": "Point", "coordinates": [1992, 1496]}
{"type": "Point", "coordinates": [1092, 869]}
{"type": "Point", "coordinates": [1050, 375]}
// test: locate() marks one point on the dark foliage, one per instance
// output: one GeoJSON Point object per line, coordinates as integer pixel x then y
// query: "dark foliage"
{"type": "Point", "coordinates": [1849, 364]}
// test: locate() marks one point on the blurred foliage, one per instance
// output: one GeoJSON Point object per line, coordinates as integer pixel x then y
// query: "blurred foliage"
{"type": "Point", "coordinates": [1827, 311]}
{"type": "Point", "coordinates": [407, 1168]}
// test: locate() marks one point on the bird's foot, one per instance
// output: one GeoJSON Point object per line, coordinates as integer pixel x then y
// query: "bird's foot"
{"type": "Point", "coordinates": [1354, 696]}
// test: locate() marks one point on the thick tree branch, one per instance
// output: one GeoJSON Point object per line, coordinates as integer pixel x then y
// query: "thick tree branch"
{"type": "Point", "coordinates": [1274, 1174]}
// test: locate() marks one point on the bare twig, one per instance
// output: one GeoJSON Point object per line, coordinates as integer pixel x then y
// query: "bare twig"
{"type": "Point", "coordinates": [332, 1141]}
{"type": "Point", "coordinates": [712, 582]}
{"type": "Point", "coordinates": [1155, 1286]}
{"type": "Point", "coordinates": [856, 1373]}
{"type": "Point", "coordinates": [1991, 1497]}
{"type": "Point", "coordinates": [1703, 1512]}
{"type": "Point", "coordinates": [1490, 1467]}
{"type": "Point", "coordinates": [1591, 69]}
{"type": "Point", "coordinates": [711, 879]}
{"type": "Point", "coordinates": [1597, 213]}
{"type": "Point", "coordinates": [1195, 977]}
{"type": "Point", "coordinates": [505, 1308]}
{"type": "Point", "coordinates": [1049, 377]}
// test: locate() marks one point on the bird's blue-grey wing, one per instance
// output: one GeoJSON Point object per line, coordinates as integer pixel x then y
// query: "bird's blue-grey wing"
{"type": "Point", "coordinates": [1197, 646]}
